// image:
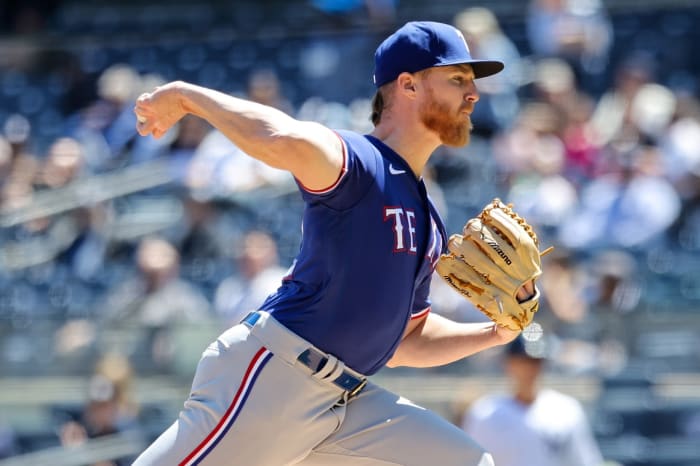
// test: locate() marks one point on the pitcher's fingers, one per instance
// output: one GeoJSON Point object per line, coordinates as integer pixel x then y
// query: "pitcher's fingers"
{"type": "Point", "coordinates": [143, 98]}
{"type": "Point", "coordinates": [143, 110]}
{"type": "Point", "coordinates": [526, 291]}
{"type": "Point", "coordinates": [145, 128]}
{"type": "Point", "coordinates": [158, 133]}
{"type": "Point", "coordinates": [142, 116]}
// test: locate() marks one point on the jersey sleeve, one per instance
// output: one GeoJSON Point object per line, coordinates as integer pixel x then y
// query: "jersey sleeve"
{"type": "Point", "coordinates": [421, 300]}
{"type": "Point", "coordinates": [360, 166]}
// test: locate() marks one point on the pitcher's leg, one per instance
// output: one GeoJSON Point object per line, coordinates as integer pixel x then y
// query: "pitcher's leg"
{"type": "Point", "coordinates": [178, 441]}
{"type": "Point", "coordinates": [382, 429]}
{"type": "Point", "coordinates": [248, 408]}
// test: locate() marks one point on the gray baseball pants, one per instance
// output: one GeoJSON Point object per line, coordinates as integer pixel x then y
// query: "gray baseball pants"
{"type": "Point", "coordinates": [253, 403]}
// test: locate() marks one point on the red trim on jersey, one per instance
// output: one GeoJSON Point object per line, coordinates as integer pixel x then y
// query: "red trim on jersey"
{"type": "Point", "coordinates": [343, 171]}
{"type": "Point", "coordinates": [421, 314]}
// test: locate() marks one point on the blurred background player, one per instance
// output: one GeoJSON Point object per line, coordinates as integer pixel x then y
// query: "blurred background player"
{"type": "Point", "coordinates": [532, 425]}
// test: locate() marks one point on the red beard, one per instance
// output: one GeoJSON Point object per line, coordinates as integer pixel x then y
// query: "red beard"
{"type": "Point", "coordinates": [452, 129]}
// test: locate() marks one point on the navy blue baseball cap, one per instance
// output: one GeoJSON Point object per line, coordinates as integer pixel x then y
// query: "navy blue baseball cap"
{"type": "Point", "coordinates": [418, 45]}
{"type": "Point", "coordinates": [538, 349]}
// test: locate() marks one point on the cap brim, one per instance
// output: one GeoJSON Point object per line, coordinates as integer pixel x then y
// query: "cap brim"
{"type": "Point", "coordinates": [482, 68]}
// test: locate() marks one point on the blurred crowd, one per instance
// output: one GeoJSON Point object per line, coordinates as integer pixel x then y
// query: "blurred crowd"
{"type": "Point", "coordinates": [115, 244]}
{"type": "Point", "coordinates": [103, 229]}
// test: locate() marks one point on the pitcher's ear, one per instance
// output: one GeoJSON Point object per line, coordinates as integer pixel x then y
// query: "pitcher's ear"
{"type": "Point", "coordinates": [406, 82]}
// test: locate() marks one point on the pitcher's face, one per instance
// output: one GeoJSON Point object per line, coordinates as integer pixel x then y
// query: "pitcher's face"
{"type": "Point", "coordinates": [448, 101]}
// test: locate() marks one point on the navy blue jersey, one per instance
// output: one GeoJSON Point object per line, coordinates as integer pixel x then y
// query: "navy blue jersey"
{"type": "Point", "coordinates": [369, 246]}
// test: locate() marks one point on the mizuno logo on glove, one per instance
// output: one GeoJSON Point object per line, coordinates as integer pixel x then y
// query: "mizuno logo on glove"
{"type": "Point", "coordinates": [499, 251]}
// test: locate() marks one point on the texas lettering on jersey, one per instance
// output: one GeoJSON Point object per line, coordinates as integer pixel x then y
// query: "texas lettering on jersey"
{"type": "Point", "coordinates": [403, 222]}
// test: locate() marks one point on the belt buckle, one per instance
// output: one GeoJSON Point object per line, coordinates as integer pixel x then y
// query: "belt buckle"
{"type": "Point", "coordinates": [358, 388]}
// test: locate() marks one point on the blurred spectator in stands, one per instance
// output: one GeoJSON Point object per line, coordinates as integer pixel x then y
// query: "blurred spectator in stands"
{"type": "Point", "coordinates": [614, 291]}
{"type": "Point", "coordinates": [538, 188]}
{"type": "Point", "coordinates": [107, 411]}
{"type": "Point", "coordinates": [88, 241]}
{"type": "Point", "coordinates": [498, 94]}
{"type": "Point", "coordinates": [48, 233]}
{"type": "Point", "coordinates": [64, 163]}
{"type": "Point", "coordinates": [264, 87]}
{"type": "Point", "coordinates": [156, 296]}
{"type": "Point", "coordinates": [155, 300]}
{"type": "Point", "coordinates": [652, 111]}
{"type": "Point", "coordinates": [110, 406]}
{"type": "Point", "coordinates": [329, 113]}
{"type": "Point", "coordinates": [556, 85]}
{"type": "Point", "coordinates": [535, 130]}
{"type": "Point", "coordinates": [105, 126]}
{"type": "Point", "coordinates": [117, 369]}
{"type": "Point", "coordinates": [564, 290]}
{"type": "Point", "coordinates": [187, 137]}
{"type": "Point", "coordinates": [681, 146]}
{"type": "Point", "coordinates": [613, 109]}
{"type": "Point", "coordinates": [219, 169]}
{"type": "Point", "coordinates": [204, 239]}
{"type": "Point", "coordinates": [203, 235]}
{"type": "Point", "coordinates": [628, 207]}
{"type": "Point", "coordinates": [645, 122]}
{"type": "Point", "coordinates": [531, 425]}
{"type": "Point", "coordinates": [258, 275]}
{"type": "Point", "coordinates": [116, 90]}
{"type": "Point", "coordinates": [577, 31]}
{"type": "Point", "coordinates": [20, 164]}
{"type": "Point", "coordinates": [580, 142]}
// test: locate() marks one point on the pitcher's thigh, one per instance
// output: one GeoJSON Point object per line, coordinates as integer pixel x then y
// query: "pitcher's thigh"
{"type": "Point", "coordinates": [381, 429]}
{"type": "Point", "coordinates": [247, 407]}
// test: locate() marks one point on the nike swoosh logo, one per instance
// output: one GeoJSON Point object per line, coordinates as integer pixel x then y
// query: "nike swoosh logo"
{"type": "Point", "coordinates": [394, 171]}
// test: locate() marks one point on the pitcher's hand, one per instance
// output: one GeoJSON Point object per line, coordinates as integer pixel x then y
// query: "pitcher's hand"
{"type": "Point", "coordinates": [157, 111]}
{"type": "Point", "coordinates": [526, 291]}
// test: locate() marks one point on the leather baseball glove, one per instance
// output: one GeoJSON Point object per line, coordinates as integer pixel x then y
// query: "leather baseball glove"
{"type": "Point", "coordinates": [496, 254]}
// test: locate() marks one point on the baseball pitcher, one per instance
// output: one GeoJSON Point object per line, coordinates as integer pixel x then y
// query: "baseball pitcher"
{"type": "Point", "coordinates": [288, 385]}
